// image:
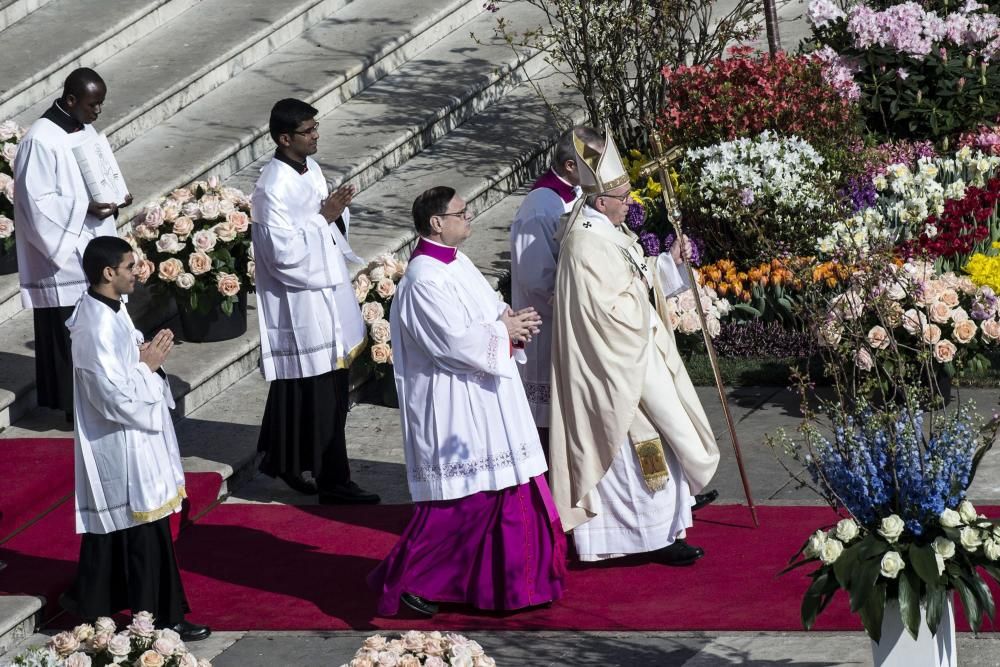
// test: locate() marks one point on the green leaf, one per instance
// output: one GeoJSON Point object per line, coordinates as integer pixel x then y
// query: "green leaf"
{"type": "Point", "coordinates": [227, 306]}
{"type": "Point", "coordinates": [971, 606]}
{"type": "Point", "coordinates": [872, 547]}
{"type": "Point", "coordinates": [845, 566]}
{"type": "Point", "coordinates": [813, 597]}
{"type": "Point", "coordinates": [909, 601]}
{"type": "Point", "coordinates": [982, 592]}
{"type": "Point", "coordinates": [873, 611]}
{"type": "Point", "coordinates": [937, 598]}
{"type": "Point", "coordinates": [863, 583]}
{"type": "Point", "coordinates": [924, 562]}
{"type": "Point", "coordinates": [194, 300]}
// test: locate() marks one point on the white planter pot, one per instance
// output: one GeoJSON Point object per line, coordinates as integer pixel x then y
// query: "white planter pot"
{"type": "Point", "coordinates": [899, 649]}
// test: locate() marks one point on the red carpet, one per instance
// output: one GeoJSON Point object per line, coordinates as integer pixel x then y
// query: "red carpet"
{"type": "Point", "coordinates": [39, 476]}
{"type": "Point", "coordinates": [264, 567]}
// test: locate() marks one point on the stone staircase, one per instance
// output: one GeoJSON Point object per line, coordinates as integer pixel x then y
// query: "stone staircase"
{"type": "Point", "coordinates": [410, 95]}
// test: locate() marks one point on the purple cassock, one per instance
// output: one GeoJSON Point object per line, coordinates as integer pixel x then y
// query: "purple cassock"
{"type": "Point", "coordinates": [495, 549]}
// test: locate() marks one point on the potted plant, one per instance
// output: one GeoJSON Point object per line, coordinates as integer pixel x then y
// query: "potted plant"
{"type": "Point", "coordinates": [194, 247]}
{"type": "Point", "coordinates": [10, 134]}
{"type": "Point", "coordinates": [375, 288]}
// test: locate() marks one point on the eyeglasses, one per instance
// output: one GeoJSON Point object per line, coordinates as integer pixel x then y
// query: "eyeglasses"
{"type": "Point", "coordinates": [458, 213]}
{"type": "Point", "coordinates": [305, 133]}
{"type": "Point", "coordinates": [622, 198]}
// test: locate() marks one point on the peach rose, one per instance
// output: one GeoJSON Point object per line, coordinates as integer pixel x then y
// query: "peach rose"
{"type": "Point", "coordinates": [991, 329]}
{"type": "Point", "coordinates": [372, 312]}
{"type": "Point", "coordinates": [228, 284]}
{"type": "Point", "coordinates": [388, 659]}
{"type": "Point", "coordinates": [385, 288]}
{"type": "Point", "coordinates": [185, 280]}
{"type": "Point", "coordinates": [944, 351]}
{"type": "Point", "coordinates": [209, 207]}
{"type": "Point", "coordinates": [144, 233]}
{"type": "Point", "coordinates": [381, 353]}
{"type": "Point", "coordinates": [170, 269]}
{"type": "Point", "coordinates": [143, 270]}
{"type": "Point", "coordinates": [152, 216]}
{"type": "Point", "coordinates": [9, 152]}
{"type": "Point", "coordinates": [183, 226]}
{"type": "Point", "coordinates": [199, 263]}
{"type": "Point", "coordinates": [64, 643]}
{"type": "Point", "coordinates": [940, 312]}
{"type": "Point", "coordinates": [239, 220]}
{"type": "Point", "coordinates": [226, 207]}
{"type": "Point", "coordinates": [362, 284]}
{"type": "Point", "coordinates": [949, 297]}
{"type": "Point", "coordinates": [150, 659]}
{"type": "Point", "coordinates": [226, 231]}
{"type": "Point", "coordinates": [928, 292]}
{"type": "Point", "coordinates": [6, 227]}
{"type": "Point", "coordinates": [171, 209]}
{"type": "Point", "coordinates": [964, 332]}
{"type": "Point", "coordinates": [685, 301]}
{"type": "Point", "coordinates": [863, 360]}
{"type": "Point", "coordinates": [84, 631]}
{"type": "Point", "coordinates": [878, 337]}
{"type": "Point", "coordinates": [204, 240]}
{"type": "Point", "coordinates": [931, 334]}
{"type": "Point", "coordinates": [409, 661]}
{"type": "Point", "coordinates": [182, 195]}
{"type": "Point", "coordinates": [213, 182]}
{"type": "Point", "coordinates": [380, 331]}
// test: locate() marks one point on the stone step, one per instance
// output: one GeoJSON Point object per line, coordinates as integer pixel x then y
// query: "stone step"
{"type": "Point", "coordinates": [12, 11]}
{"type": "Point", "coordinates": [193, 54]}
{"type": "Point", "coordinates": [19, 615]}
{"type": "Point", "coordinates": [62, 35]}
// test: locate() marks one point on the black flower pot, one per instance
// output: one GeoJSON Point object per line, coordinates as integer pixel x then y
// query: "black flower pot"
{"type": "Point", "coordinates": [8, 261]}
{"type": "Point", "coordinates": [387, 390]}
{"type": "Point", "coordinates": [214, 325]}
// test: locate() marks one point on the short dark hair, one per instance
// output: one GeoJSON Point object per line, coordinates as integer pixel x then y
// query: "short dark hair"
{"type": "Point", "coordinates": [79, 80]}
{"type": "Point", "coordinates": [288, 114]}
{"type": "Point", "coordinates": [430, 203]}
{"type": "Point", "coordinates": [101, 252]}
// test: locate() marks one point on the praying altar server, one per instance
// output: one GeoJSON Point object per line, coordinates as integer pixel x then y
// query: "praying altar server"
{"type": "Point", "coordinates": [310, 322]}
{"type": "Point", "coordinates": [630, 439]}
{"type": "Point", "coordinates": [485, 531]}
{"type": "Point", "coordinates": [533, 254]}
{"type": "Point", "coordinates": [55, 221]}
{"type": "Point", "coordinates": [129, 478]}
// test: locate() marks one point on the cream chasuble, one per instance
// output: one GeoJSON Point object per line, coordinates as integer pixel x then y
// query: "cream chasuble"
{"type": "Point", "coordinates": [50, 210]}
{"type": "Point", "coordinates": [466, 423]}
{"type": "Point", "coordinates": [533, 255]}
{"type": "Point", "coordinates": [607, 339]}
{"type": "Point", "coordinates": [310, 321]}
{"type": "Point", "coordinates": [128, 467]}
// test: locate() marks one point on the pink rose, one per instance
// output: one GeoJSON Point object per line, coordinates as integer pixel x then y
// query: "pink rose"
{"type": "Point", "coordinates": [104, 625]}
{"type": "Point", "coordinates": [6, 227]}
{"type": "Point", "coordinates": [878, 337]}
{"type": "Point", "coordinates": [78, 660]}
{"type": "Point", "coordinates": [143, 270]}
{"type": "Point", "coordinates": [689, 322]}
{"type": "Point", "coordinates": [4, 181]}
{"type": "Point", "coordinates": [204, 240]}
{"type": "Point", "coordinates": [165, 646]}
{"type": "Point", "coordinates": [152, 217]}
{"type": "Point", "coordinates": [385, 288]}
{"type": "Point", "coordinates": [169, 243]}
{"type": "Point", "coordinates": [9, 130]}
{"type": "Point", "coordinates": [185, 280]}
{"type": "Point", "coordinates": [99, 642]}
{"type": "Point", "coordinates": [863, 360]}
{"type": "Point", "coordinates": [235, 195]}
{"type": "Point", "coordinates": [372, 312]}
{"type": "Point", "coordinates": [380, 331]}
{"type": "Point", "coordinates": [381, 353]}
{"type": "Point", "coordinates": [388, 659]}
{"type": "Point", "coordinates": [944, 351]}
{"type": "Point", "coordinates": [199, 263]}
{"type": "Point", "coordinates": [991, 329]}
{"type": "Point", "coordinates": [64, 643]}
{"type": "Point", "coordinates": [171, 209]}
{"type": "Point", "coordinates": [187, 660]}
{"type": "Point", "coordinates": [685, 301]}
{"type": "Point", "coordinates": [182, 195]}
{"type": "Point", "coordinates": [120, 645]}
{"type": "Point", "coordinates": [142, 622]}
{"type": "Point", "coordinates": [239, 220]}
{"type": "Point", "coordinates": [375, 642]}
{"type": "Point", "coordinates": [209, 207]}
{"type": "Point", "coordinates": [949, 297]}
{"type": "Point", "coordinates": [226, 231]}
{"type": "Point", "coordinates": [940, 312]}
{"type": "Point", "coordinates": [168, 272]}
{"type": "Point", "coordinates": [183, 226]}
{"type": "Point", "coordinates": [433, 647]}
{"type": "Point", "coordinates": [931, 334]}
{"type": "Point", "coordinates": [228, 284]}
{"type": "Point", "coordinates": [9, 152]}
{"type": "Point", "coordinates": [964, 332]}
{"type": "Point", "coordinates": [192, 210]}
{"type": "Point", "coordinates": [150, 659]}
{"type": "Point", "coordinates": [959, 314]}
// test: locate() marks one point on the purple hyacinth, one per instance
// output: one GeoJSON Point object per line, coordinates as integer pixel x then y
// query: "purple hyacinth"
{"type": "Point", "coordinates": [860, 192]}
{"type": "Point", "coordinates": [636, 216]}
{"type": "Point", "coordinates": [650, 243]}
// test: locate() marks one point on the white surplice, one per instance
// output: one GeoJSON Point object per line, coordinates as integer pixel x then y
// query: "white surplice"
{"type": "Point", "coordinates": [50, 210]}
{"type": "Point", "coordinates": [310, 320]}
{"type": "Point", "coordinates": [466, 422]}
{"type": "Point", "coordinates": [128, 466]}
{"type": "Point", "coordinates": [534, 252]}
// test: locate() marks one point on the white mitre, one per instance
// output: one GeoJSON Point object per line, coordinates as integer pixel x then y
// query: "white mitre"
{"type": "Point", "coordinates": [600, 171]}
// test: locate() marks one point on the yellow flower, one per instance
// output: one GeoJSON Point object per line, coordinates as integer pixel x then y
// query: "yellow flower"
{"type": "Point", "coordinates": [984, 270]}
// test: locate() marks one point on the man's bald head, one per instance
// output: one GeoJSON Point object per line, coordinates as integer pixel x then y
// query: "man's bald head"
{"type": "Point", "coordinates": [80, 81]}
{"type": "Point", "coordinates": [83, 94]}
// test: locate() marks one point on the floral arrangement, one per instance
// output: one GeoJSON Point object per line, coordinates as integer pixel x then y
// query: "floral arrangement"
{"type": "Point", "coordinates": [195, 245]}
{"type": "Point", "coordinates": [921, 73]}
{"type": "Point", "coordinates": [138, 645]}
{"type": "Point", "coordinates": [10, 135]}
{"type": "Point", "coordinates": [374, 288]}
{"type": "Point", "coordinates": [984, 270]}
{"type": "Point", "coordinates": [911, 536]}
{"type": "Point", "coordinates": [682, 311]}
{"type": "Point", "coordinates": [416, 649]}
{"type": "Point", "coordinates": [740, 193]}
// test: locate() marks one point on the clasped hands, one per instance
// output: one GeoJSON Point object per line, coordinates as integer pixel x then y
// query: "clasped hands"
{"type": "Point", "coordinates": [154, 352]}
{"type": "Point", "coordinates": [334, 205]}
{"type": "Point", "coordinates": [522, 324]}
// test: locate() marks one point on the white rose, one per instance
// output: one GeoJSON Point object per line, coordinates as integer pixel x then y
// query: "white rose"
{"type": "Point", "coordinates": [943, 547]}
{"type": "Point", "coordinates": [959, 314]}
{"type": "Point", "coordinates": [9, 152]}
{"type": "Point", "coordinates": [891, 528]}
{"type": "Point", "coordinates": [104, 625]}
{"type": "Point", "coordinates": [967, 511]}
{"type": "Point", "coordinates": [970, 538]}
{"type": "Point", "coordinates": [380, 331]}
{"type": "Point", "coordinates": [8, 130]}
{"type": "Point", "coordinates": [120, 645]}
{"type": "Point", "coordinates": [376, 274]}
{"type": "Point", "coordinates": [951, 519]}
{"type": "Point", "coordinates": [847, 530]}
{"type": "Point", "coordinates": [892, 564]}
{"type": "Point", "coordinates": [185, 280]}
{"type": "Point", "coordinates": [914, 321]}
{"type": "Point", "coordinates": [209, 207]}
{"type": "Point", "coordinates": [814, 547]}
{"type": "Point", "coordinates": [832, 549]}
{"type": "Point", "coordinates": [372, 312]}
{"type": "Point", "coordinates": [78, 660]}
{"type": "Point", "coordinates": [169, 243]}
{"type": "Point", "coordinates": [204, 240]}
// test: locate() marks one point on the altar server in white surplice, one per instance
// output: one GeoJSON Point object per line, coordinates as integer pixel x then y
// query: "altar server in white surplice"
{"type": "Point", "coordinates": [129, 478]}
{"type": "Point", "coordinates": [630, 440]}
{"type": "Point", "coordinates": [310, 322]}
{"type": "Point", "coordinates": [485, 531]}
{"type": "Point", "coordinates": [533, 255]}
{"type": "Point", "coordinates": [55, 221]}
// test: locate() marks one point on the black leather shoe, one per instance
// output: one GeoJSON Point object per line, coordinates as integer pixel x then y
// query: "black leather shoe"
{"type": "Point", "coordinates": [304, 485]}
{"type": "Point", "coordinates": [347, 494]}
{"type": "Point", "coordinates": [703, 499]}
{"type": "Point", "coordinates": [191, 632]}
{"type": "Point", "coordinates": [419, 604]}
{"type": "Point", "coordinates": [678, 554]}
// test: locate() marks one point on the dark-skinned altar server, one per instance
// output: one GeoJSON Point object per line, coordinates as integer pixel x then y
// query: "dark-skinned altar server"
{"type": "Point", "coordinates": [533, 255]}
{"type": "Point", "coordinates": [310, 322]}
{"type": "Point", "coordinates": [55, 221]}
{"type": "Point", "coordinates": [485, 531]}
{"type": "Point", "coordinates": [129, 478]}
{"type": "Point", "coordinates": [630, 441]}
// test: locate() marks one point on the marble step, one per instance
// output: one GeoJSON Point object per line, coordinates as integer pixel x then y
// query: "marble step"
{"type": "Point", "coordinates": [12, 11]}
{"type": "Point", "coordinates": [19, 615]}
{"type": "Point", "coordinates": [61, 35]}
